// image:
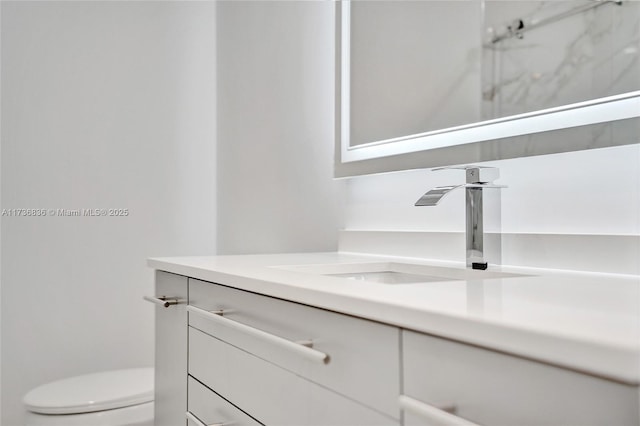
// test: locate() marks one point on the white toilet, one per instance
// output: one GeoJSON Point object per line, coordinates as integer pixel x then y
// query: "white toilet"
{"type": "Point", "coordinates": [110, 398]}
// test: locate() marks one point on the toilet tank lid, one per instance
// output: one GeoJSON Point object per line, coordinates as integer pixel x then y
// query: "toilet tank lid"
{"type": "Point", "coordinates": [92, 392]}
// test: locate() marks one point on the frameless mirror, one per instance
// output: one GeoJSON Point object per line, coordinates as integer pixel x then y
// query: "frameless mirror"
{"type": "Point", "coordinates": [418, 76]}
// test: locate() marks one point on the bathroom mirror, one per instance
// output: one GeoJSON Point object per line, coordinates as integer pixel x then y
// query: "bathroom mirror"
{"type": "Point", "coordinates": [432, 83]}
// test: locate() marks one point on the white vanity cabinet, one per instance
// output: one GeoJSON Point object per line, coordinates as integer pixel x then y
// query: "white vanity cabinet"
{"type": "Point", "coordinates": [480, 386]}
{"type": "Point", "coordinates": [170, 349]}
{"type": "Point", "coordinates": [208, 408]}
{"type": "Point", "coordinates": [246, 358]}
{"type": "Point", "coordinates": [284, 363]}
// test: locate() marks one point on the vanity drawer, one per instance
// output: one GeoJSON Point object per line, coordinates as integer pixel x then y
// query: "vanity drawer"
{"type": "Point", "coordinates": [273, 395]}
{"type": "Point", "coordinates": [205, 406]}
{"type": "Point", "coordinates": [491, 388]}
{"type": "Point", "coordinates": [362, 356]}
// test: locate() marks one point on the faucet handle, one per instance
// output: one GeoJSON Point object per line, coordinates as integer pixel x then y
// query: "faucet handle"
{"type": "Point", "coordinates": [475, 174]}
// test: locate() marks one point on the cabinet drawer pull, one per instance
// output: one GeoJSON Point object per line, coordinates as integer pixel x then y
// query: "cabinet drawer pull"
{"type": "Point", "coordinates": [199, 422]}
{"type": "Point", "coordinates": [430, 413]}
{"type": "Point", "coordinates": [303, 348]}
{"type": "Point", "coordinates": [162, 300]}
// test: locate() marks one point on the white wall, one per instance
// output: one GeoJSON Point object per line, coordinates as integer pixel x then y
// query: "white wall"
{"type": "Point", "coordinates": [104, 105]}
{"type": "Point", "coordinates": [275, 134]}
{"type": "Point", "coordinates": [585, 192]}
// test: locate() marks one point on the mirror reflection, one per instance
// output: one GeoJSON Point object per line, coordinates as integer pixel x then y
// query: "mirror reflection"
{"type": "Point", "coordinates": [418, 66]}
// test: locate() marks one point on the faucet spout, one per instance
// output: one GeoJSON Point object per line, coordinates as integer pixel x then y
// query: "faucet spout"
{"type": "Point", "coordinates": [478, 179]}
{"type": "Point", "coordinates": [433, 197]}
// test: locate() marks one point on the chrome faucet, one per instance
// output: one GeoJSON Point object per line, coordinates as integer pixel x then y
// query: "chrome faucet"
{"type": "Point", "coordinates": [478, 179]}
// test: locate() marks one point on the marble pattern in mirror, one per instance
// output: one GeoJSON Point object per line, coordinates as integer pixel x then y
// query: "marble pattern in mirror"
{"type": "Point", "coordinates": [572, 55]}
{"type": "Point", "coordinates": [411, 81]}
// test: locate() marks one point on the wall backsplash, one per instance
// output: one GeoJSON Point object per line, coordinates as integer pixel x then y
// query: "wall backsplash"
{"type": "Point", "coordinates": [594, 192]}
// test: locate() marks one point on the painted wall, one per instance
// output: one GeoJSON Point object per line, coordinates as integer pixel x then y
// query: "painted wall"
{"type": "Point", "coordinates": [104, 105]}
{"type": "Point", "coordinates": [584, 192]}
{"type": "Point", "coordinates": [275, 131]}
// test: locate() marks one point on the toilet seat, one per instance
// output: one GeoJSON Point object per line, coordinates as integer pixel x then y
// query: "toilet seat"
{"type": "Point", "coordinates": [92, 392]}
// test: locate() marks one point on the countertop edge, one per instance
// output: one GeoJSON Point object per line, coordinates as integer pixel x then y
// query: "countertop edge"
{"type": "Point", "coordinates": [623, 363]}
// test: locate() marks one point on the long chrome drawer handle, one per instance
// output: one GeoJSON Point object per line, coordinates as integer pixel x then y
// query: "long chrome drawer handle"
{"type": "Point", "coordinates": [162, 300]}
{"type": "Point", "coordinates": [301, 348]}
{"type": "Point", "coordinates": [199, 422]}
{"type": "Point", "coordinates": [430, 413]}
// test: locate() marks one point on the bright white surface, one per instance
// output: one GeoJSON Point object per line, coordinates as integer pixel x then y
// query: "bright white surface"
{"type": "Point", "coordinates": [92, 392]}
{"type": "Point", "coordinates": [104, 105]}
{"type": "Point", "coordinates": [588, 322]}
{"type": "Point", "coordinates": [135, 415]}
{"type": "Point", "coordinates": [619, 107]}
{"type": "Point", "coordinates": [557, 200]}
{"type": "Point", "coordinates": [614, 254]}
{"type": "Point", "coordinates": [413, 271]}
{"type": "Point", "coordinates": [584, 192]}
{"type": "Point", "coordinates": [275, 128]}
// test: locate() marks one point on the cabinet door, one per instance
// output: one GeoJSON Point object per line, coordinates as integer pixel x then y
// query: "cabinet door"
{"type": "Point", "coordinates": [171, 351]}
{"type": "Point", "coordinates": [484, 387]}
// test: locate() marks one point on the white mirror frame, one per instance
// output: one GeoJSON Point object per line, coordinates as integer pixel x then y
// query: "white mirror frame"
{"type": "Point", "coordinates": [612, 108]}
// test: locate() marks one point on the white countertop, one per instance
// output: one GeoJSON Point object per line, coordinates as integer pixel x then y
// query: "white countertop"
{"type": "Point", "coordinates": [587, 322]}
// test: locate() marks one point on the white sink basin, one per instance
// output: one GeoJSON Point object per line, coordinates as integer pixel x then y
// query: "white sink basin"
{"type": "Point", "coordinates": [389, 277]}
{"type": "Point", "coordinates": [395, 272]}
